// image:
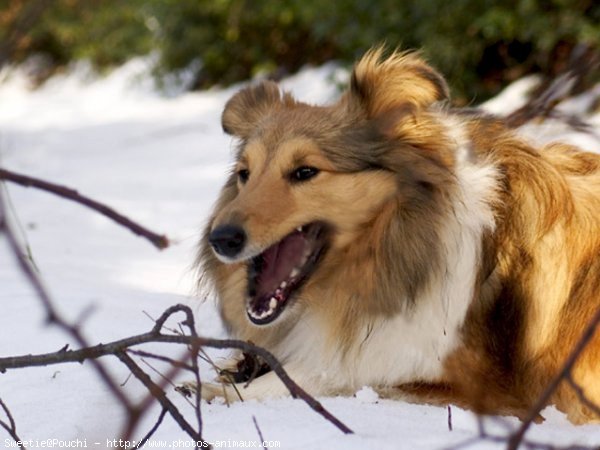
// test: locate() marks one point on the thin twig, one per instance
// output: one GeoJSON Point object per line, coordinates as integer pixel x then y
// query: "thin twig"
{"type": "Point", "coordinates": [10, 209]}
{"type": "Point", "coordinates": [484, 435]}
{"type": "Point", "coordinates": [135, 415]}
{"type": "Point", "coordinates": [159, 241]}
{"type": "Point", "coordinates": [146, 438]}
{"type": "Point", "coordinates": [260, 435]}
{"type": "Point", "coordinates": [11, 426]}
{"type": "Point", "coordinates": [583, 61]}
{"type": "Point", "coordinates": [164, 377]}
{"type": "Point", "coordinates": [517, 437]}
{"type": "Point", "coordinates": [166, 359]}
{"type": "Point", "coordinates": [159, 394]}
{"type": "Point", "coordinates": [52, 315]}
{"type": "Point", "coordinates": [194, 349]}
{"type": "Point", "coordinates": [173, 362]}
{"type": "Point", "coordinates": [581, 394]}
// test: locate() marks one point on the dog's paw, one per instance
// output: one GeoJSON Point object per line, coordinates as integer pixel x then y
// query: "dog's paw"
{"type": "Point", "coordinates": [240, 368]}
{"type": "Point", "coordinates": [187, 389]}
{"type": "Point", "coordinates": [208, 391]}
{"type": "Point", "coordinates": [228, 369]}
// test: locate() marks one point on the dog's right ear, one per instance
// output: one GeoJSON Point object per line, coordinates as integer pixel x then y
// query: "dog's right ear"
{"type": "Point", "coordinates": [398, 83]}
{"type": "Point", "coordinates": [246, 109]}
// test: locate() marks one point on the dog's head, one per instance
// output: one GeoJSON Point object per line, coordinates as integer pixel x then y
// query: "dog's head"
{"type": "Point", "coordinates": [309, 180]}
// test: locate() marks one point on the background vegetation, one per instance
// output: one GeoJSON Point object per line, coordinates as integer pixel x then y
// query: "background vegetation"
{"type": "Point", "coordinates": [480, 45]}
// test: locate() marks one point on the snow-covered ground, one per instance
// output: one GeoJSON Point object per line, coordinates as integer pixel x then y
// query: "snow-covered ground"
{"type": "Point", "coordinates": [160, 160]}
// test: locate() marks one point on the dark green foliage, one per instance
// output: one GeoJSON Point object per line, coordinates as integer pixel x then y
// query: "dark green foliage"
{"type": "Point", "coordinates": [107, 32]}
{"type": "Point", "coordinates": [480, 45]}
{"type": "Point", "coordinates": [235, 38]}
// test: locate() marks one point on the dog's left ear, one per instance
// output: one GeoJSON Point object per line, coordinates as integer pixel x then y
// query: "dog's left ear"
{"type": "Point", "coordinates": [399, 82]}
{"type": "Point", "coordinates": [244, 111]}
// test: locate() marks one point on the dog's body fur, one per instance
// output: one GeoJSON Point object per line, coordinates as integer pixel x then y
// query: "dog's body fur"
{"type": "Point", "coordinates": [462, 264]}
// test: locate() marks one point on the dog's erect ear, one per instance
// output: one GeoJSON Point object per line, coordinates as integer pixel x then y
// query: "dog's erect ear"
{"type": "Point", "coordinates": [247, 108]}
{"type": "Point", "coordinates": [401, 81]}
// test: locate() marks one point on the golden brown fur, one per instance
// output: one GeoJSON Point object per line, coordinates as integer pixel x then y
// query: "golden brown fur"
{"type": "Point", "coordinates": [421, 199]}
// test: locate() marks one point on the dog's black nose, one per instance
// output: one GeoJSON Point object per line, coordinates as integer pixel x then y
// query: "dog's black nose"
{"type": "Point", "coordinates": [227, 240]}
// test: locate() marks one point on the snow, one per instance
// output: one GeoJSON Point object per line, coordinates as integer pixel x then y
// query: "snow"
{"type": "Point", "coordinates": [367, 394]}
{"type": "Point", "coordinates": [161, 160]}
{"type": "Point", "coordinates": [513, 97]}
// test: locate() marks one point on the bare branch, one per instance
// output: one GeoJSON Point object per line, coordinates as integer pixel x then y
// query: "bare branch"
{"type": "Point", "coordinates": [122, 345]}
{"type": "Point", "coordinates": [52, 315]}
{"type": "Point", "coordinates": [517, 437]}
{"type": "Point", "coordinates": [136, 414]}
{"type": "Point", "coordinates": [581, 394]}
{"type": "Point", "coordinates": [150, 433]}
{"type": "Point", "coordinates": [484, 435]}
{"type": "Point", "coordinates": [171, 361]}
{"type": "Point", "coordinates": [194, 349]}
{"type": "Point", "coordinates": [10, 427]}
{"type": "Point", "coordinates": [260, 435]}
{"type": "Point", "coordinates": [159, 394]}
{"type": "Point", "coordinates": [159, 241]}
{"type": "Point", "coordinates": [583, 61]}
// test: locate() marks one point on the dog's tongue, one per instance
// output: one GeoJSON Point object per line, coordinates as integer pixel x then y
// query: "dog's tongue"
{"type": "Point", "coordinates": [278, 262]}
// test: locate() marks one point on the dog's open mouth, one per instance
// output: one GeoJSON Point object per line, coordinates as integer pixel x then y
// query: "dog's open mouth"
{"type": "Point", "coordinates": [278, 272]}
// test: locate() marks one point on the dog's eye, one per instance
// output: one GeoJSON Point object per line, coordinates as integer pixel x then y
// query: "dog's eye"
{"type": "Point", "coordinates": [243, 175]}
{"type": "Point", "coordinates": [304, 173]}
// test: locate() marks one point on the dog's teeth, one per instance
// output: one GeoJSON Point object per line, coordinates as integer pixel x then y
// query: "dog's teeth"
{"type": "Point", "coordinates": [295, 272]}
{"type": "Point", "coordinates": [272, 304]}
{"type": "Point", "coordinates": [299, 229]}
{"type": "Point", "coordinates": [283, 285]}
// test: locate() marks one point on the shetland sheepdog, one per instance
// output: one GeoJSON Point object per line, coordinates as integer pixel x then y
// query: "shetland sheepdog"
{"type": "Point", "coordinates": [389, 240]}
